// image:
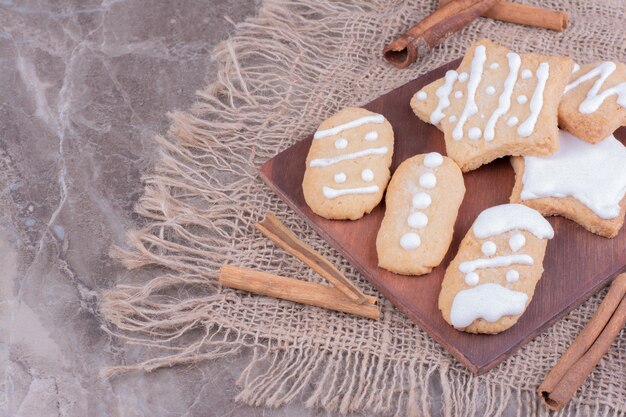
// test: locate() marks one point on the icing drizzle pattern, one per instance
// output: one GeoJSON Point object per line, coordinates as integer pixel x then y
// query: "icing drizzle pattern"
{"type": "Point", "coordinates": [471, 108]}
{"type": "Point", "coordinates": [371, 118]}
{"type": "Point", "coordinates": [594, 98]}
{"type": "Point", "coordinates": [536, 102]}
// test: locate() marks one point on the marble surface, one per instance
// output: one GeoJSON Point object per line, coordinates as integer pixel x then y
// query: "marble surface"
{"type": "Point", "coordinates": [85, 88]}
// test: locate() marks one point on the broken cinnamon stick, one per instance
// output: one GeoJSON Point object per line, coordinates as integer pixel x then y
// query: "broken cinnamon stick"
{"type": "Point", "coordinates": [272, 227]}
{"type": "Point", "coordinates": [421, 38]}
{"type": "Point", "coordinates": [585, 352]}
{"type": "Point", "coordinates": [295, 290]}
{"type": "Point", "coordinates": [523, 14]}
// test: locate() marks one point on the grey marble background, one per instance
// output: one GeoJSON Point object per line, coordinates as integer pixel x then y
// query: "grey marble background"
{"type": "Point", "coordinates": [84, 88]}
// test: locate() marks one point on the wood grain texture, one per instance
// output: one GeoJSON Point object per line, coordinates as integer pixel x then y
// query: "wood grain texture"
{"type": "Point", "coordinates": [577, 263]}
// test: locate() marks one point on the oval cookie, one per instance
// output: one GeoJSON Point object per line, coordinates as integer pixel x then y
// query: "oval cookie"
{"type": "Point", "coordinates": [347, 168]}
{"type": "Point", "coordinates": [422, 204]}
{"type": "Point", "coordinates": [492, 279]}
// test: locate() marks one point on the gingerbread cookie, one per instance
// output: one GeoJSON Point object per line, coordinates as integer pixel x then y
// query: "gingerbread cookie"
{"type": "Point", "coordinates": [581, 181]}
{"type": "Point", "coordinates": [347, 168]}
{"type": "Point", "coordinates": [496, 103]}
{"type": "Point", "coordinates": [422, 204]}
{"type": "Point", "coordinates": [492, 279]}
{"type": "Point", "coordinates": [594, 103]}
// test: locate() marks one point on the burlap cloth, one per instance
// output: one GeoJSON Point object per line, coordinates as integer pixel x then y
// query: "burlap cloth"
{"type": "Point", "coordinates": [282, 73]}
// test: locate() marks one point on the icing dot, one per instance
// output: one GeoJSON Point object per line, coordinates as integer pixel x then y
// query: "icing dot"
{"type": "Point", "coordinates": [452, 119]}
{"type": "Point", "coordinates": [340, 177]}
{"type": "Point", "coordinates": [341, 143]}
{"type": "Point", "coordinates": [517, 242]}
{"type": "Point", "coordinates": [421, 95]}
{"type": "Point", "coordinates": [472, 278]}
{"type": "Point", "coordinates": [491, 90]}
{"type": "Point", "coordinates": [433, 160]}
{"type": "Point", "coordinates": [512, 121]}
{"type": "Point", "coordinates": [526, 74]}
{"type": "Point", "coordinates": [494, 66]}
{"type": "Point", "coordinates": [512, 275]}
{"type": "Point", "coordinates": [576, 68]}
{"type": "Point", "coordinates": [489, 248]}
{"type": "Point", "coordinates": [475, 133]}
{"type": "Point", "coordinates": [367, 175]}
{"type": "Point", "coordinates": [370, 136]}
{"type": "Point", "coordinates": [458, 94]}
{"type": "Point", "coordinates": [421, 200]}
{"type": "Point", "coordinates": [410, 241]}
{"type": "Point", "coordinates": [417, 220]}
{"type": "Point", "coordinates": [463, 77]}
{"type": "Point", "coordinates": [428, 180]}
{"type": "Point", "coordinates": [522, 99]}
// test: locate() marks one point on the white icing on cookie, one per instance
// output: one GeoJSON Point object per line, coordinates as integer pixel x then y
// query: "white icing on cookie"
{"type": "Point", "coordinates": [494, 66]}
{"type": "Point", "coordinates": [491, 90]}
{"type": "Point", "coordinates": [517, 242]}
{"type": "Point", "coordinates": [594, 98]}
{"type": "Point", "coordinates": [489, 301]}
{"type": "Point", "coordinates": [526, 74]}
{"type": "Point", "coordinates": [341, 143]}
{"type": "Point", "coordinates": [371, 136]}
{"type": "Point", "coordinates": [512, 121]}
{"type": "Point", "coordinates": [340, 177]}
{"type": "Point", "coordinates": [595, 175]}
{"type": "Point", "coordinates": [506, 217]}
{"type": "Point", "coordinates": [324, 162]}
{"type": "Point", "coordinates": [526, 128]}
{"type": "Point", "coordinates": [443, 93]}
{"type": "Point", "coordinates": [410, 241]}
{"type": "Point", "coordinates": [474, 133]}
{"type": "Point", "coordinates": [421, 200]}
{"type": "Point", "coordinates": [417, 220]}
{"type": "Point", "coordinates": [576, 68]}
{"type": "Point", "coordinates": [472, 278]}
{"type": "Point", "coordinates": [495, 262]}
{"type": "Point", "coordinates": [512, 275]}
{"type": "Point", "coordinates": [452, 119]}
{"type": "Point", "coordinates": [458, 94]}
{"type": "Point", "coordinates": [367, 175]}
{"type": "Point", "coordinates": [372, 118]}
{"type": "Point", "coordinates": [433, 160]}
{"type": "Point", "coordinates": [522, 99]}
{"type": "Point", "coordinates": [428, 180]}
{"type": "Point", "coordinates": [489, 248]}
{"type": "Point", "coordinates": [470, 109]}
{"type": "Point", "coordinates": [421, 95]}
{"type": "Point", "coordinates": [331, 193]}
{"type": "Point", "coordinates": [463, 77]}
{"type": "Point", "coordinates": [504, 102]}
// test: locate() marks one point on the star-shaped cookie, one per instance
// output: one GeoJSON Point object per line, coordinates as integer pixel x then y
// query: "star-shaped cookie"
{"type": "Point", "coordinates": [496, 103]}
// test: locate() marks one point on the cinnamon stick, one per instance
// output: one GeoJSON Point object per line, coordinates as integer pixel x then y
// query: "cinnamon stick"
{"type": "Point", "coordinates": [523, 14]}
{"type": "Point", "coordinates": [272, 227]}
{"type": "Point", "coordinates": [585, 352]}
{"type": "Point", "coordinates": [421, 38]}
{"type": "Point", "coordinates": [295, 290]}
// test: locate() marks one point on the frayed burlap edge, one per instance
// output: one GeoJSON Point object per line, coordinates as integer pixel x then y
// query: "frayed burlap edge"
{"type": "Point", "coordinates": [281, 74]}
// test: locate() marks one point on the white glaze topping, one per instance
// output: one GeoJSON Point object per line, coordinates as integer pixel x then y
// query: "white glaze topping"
{"type": "Point", "coordinates": [371, 118]}
{"type": "Point", "coordinates": [536, 102]}
{"type": "Point", "coordinates": [458, 94]}
{"type": "Point", "coordinates": [494, 66]}
{"type": "Point", "coordinates": [504, 102]}
{"type": "Point", "coordinates": [506, 217]}
{"type": "Point", "coordinates": [517, 242]}
{"type": "Point", "coordinates": [512, 121]}
{"type": "Point", "coordinates": [340, 177]}
{"type": "Point", "coordinates": [371, 136]}
{"type": "Point", "coordinates": [421, 95]}
{"type": "Point", "coordinates": [522, 99]}
{"type": "Point", "coordinates": [421, 200]}
{"type": "Point", "coordinates": [331, 193]}
{"type": "Point", "coordinates": [495, 262]}
{"type": "Point", "coordinates": [324, 162]}
{"type": "Point", "coordinates": [526, 74]}
{"type": "Point", "coordinates": [367, 175]}
{"type": "Point", "coordinates": [463, 77]}
{"type": "Point", "coordinates": [470, 109]}
{"type": "Point", "coordinates": [433, 160]}
{"type": "Point", "coordinates": [491, 90]}
{"type": "Point", "coordinates": [595, 175]}
{"type": "Point", "coordinates": [512, 275]}
{"type": "Point", "coordinates": [474, 133]}
{"type": "Point", "coordinates": [594, 98]}
{"type": "Point", "coordinates": [487, 301]}
{"type": "Point", "coordinates": [341, 143]}
{"type": "Point", "coordinates": [428, 180]}
{"type": "Point", "coordinates": [410, 241]}
{"type": "Point", "coordinates": [417, 220]}
{"type": "Point", "coordinates": [472, 278]}
{"type": "Point", "coordinates": [489, 248]}
{"type": "Point", "coordinates": [443, 93]}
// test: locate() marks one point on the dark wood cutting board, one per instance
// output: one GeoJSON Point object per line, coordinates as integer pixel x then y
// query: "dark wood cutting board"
{"type": "Point", "coordinates": [577, 263]}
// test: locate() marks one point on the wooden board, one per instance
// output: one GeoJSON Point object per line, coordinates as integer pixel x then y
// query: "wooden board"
{"type": "Point", "coordinates": [577, 263]}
